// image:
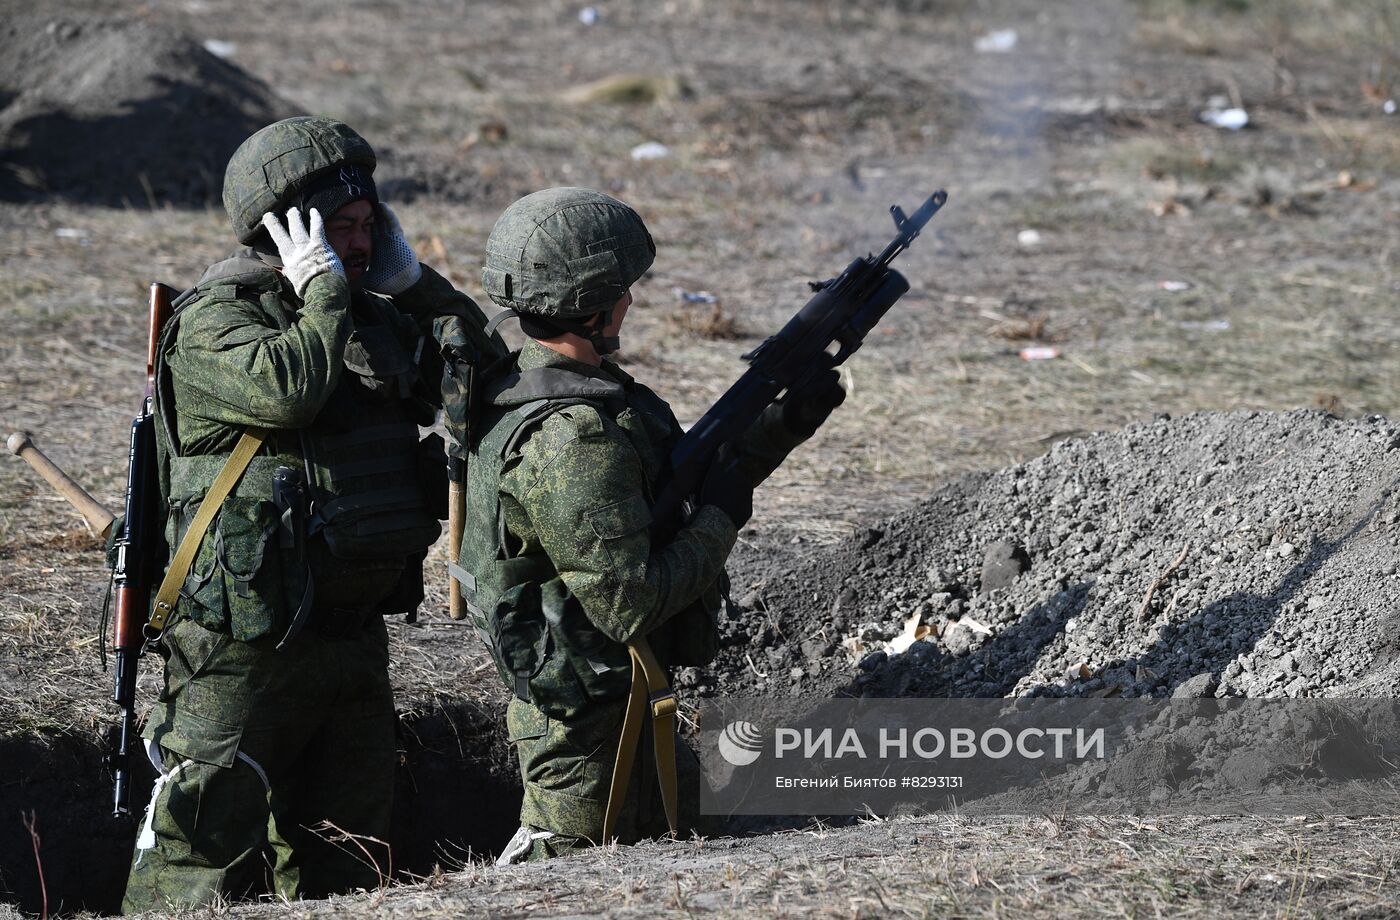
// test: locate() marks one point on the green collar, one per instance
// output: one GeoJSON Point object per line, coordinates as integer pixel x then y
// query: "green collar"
{"type": "Point", "coordinates": [534, 355]}
{"type": "Point", "coordinates": [540, 372]}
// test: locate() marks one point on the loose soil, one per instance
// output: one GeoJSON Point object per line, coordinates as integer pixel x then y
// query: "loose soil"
{"type": "Point", "coordinates": [1236, 554]}
{"type": "Point", "coordinates": [1227, 278]}
{"type": "Point", "coordinates": [119, 111]}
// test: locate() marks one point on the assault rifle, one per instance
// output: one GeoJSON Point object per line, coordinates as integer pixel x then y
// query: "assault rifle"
{"type": "Point", "coordinates": [841, 313]}
{"type": "Point", "coordinates": [140, 552]}
{"type": "Point", "coordinates": [139, 549]}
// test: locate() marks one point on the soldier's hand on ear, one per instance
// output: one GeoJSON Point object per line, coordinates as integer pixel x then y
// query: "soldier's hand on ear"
{"type": "Point", "coordinates": [393, 265]}
{"type": "Point", "coordinates": [805, 411]}
{"type": "Point", "coordinates": [728, 489]}
{"type": "Point", "coordinates": [302, 248]}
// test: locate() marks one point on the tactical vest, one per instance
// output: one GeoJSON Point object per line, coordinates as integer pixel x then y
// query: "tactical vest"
{"type": "Point", "coordinates": [544, 646]}
{"type": "Point", "coordinates": [373, 498]}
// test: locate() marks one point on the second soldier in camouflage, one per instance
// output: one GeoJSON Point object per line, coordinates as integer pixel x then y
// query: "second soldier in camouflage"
{"type": "Point", "coordinates": [559, 565]}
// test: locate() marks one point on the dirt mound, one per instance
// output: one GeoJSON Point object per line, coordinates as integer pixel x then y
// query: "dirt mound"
{"type": "Point", "coordinates": [1244, 554]}
{"type": "Point", "coordinates": [119, 111]}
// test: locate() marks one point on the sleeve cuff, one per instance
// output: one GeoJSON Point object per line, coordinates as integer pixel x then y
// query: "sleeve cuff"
{"type": "Point", "coordinates": [327, 291]}
{"type": "Point", "coordinates": [714, 521]}
{"type": "Point", "coordinates": [425, 294]}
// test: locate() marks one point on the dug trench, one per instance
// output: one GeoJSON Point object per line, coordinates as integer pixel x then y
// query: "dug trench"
{"type": "Point", "coordinates": [457, 796]}
{"type": "Point", "coordinates": [1246, 554]}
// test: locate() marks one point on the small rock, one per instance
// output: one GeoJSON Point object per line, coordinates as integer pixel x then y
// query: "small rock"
{"type": "Point", "coordinates": [961, 638]}
{"type": "Point", "coordinates": [1195, 688]}
{"type": "Point", "coordinates": [1285, 550]}
{"type": "Point", "coordinates": [939, 600]}
{"type": "Point", "coordinates": [1002, 563]}
{"type": "Point", "coordinates": [1316, 602]}
{"type": "Point", "coordinates": [797, 674]}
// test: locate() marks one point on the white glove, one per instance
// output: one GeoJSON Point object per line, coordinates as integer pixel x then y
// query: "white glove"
{"type": "Point", "coordinates": [393, 266]}
{"type": "Point", "coordinates": [303, 250]}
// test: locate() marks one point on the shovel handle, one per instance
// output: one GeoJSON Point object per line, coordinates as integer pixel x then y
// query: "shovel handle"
{"type": "Point", "coordinates": [98, 518]}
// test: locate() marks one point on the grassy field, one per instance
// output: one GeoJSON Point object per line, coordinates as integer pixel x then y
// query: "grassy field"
{"type": "Point", "coordinates": [1179, 267]}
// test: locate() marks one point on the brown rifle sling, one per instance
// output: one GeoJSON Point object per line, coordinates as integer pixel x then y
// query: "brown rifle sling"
{"type": "Point", "coordinates": [232, 471]}
{"type": "Point", "coordinates": [650, 691]}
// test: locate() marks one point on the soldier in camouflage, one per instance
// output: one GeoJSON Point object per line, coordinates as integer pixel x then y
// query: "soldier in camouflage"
{"type": "Point", "coordinates": [274, 734]}
{"type": "Point", "coordinates": [559, 566]}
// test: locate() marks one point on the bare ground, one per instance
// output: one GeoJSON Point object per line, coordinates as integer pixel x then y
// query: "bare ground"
{"type": "Point", "coordinates": [801, 123]}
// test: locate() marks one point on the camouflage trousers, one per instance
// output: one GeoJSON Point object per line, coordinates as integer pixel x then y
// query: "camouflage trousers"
{"type": "Point", "coordinates": [567, 769]}
{"type": "Point", "coordinates": [273, 761]}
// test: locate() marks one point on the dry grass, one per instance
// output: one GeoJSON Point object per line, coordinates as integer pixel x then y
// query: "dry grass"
{"type": "Point", "coordinates": [1048, 867]}
{"type": "Point", "coordinates": [1023, 329]}
{"type": "Point", "coordinates": [705, 321]}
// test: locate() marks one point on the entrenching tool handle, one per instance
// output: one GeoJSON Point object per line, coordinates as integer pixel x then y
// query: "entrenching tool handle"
{"type": "Point", "coordinates": [456, 520]}
{"type": "Point", "coordinates": [98, 518]}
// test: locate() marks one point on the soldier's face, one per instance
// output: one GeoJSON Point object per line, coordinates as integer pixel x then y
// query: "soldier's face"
{"type": "Point", "coordinates": [619, 310]}
{"type": "Point", "coordinates": [350, 231]}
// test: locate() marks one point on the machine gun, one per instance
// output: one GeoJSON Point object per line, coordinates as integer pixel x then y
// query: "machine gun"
{"type": "Point", "coordinates": [841, 313]}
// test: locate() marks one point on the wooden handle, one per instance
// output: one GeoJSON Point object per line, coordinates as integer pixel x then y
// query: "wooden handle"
{"type": "Point", "coordinates": [456, 519]}
{"type": "Point", "coordinates": [161, 295]}
{"type": "Point", "coordinates": [98, 518]}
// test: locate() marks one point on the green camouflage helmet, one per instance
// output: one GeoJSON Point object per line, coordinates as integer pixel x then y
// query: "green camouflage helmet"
{"type": "Point", "coordinates": [271, 168]}
{"type": "Point", "coordinates": [565, 253]}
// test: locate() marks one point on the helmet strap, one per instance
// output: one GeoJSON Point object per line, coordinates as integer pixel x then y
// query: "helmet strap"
{"type": "Point", "coordinates": [540, 327]}
{"type": "Point", "coordinates": [498, 319]}
{"type": "Point", "coordinates": [603, 344]}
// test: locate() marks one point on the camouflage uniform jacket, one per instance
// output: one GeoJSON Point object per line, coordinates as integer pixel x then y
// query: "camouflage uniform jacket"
{"type": "Point", "coordinates": [558, 544]}
{"type": "Point", "coordinates": [343, 383]}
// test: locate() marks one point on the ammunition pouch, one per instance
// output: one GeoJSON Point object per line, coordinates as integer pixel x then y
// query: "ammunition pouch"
{"type": "Point", "coordinates": [543, 644]}
{"type": "Point", "coordinates": [240, 579]}
{"type": "Point", "coordinates": [588, 667]}
{"type": "Point", "coordinates": [459, 360]}
{"type": "Point", "coordinates": [380, 509]}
